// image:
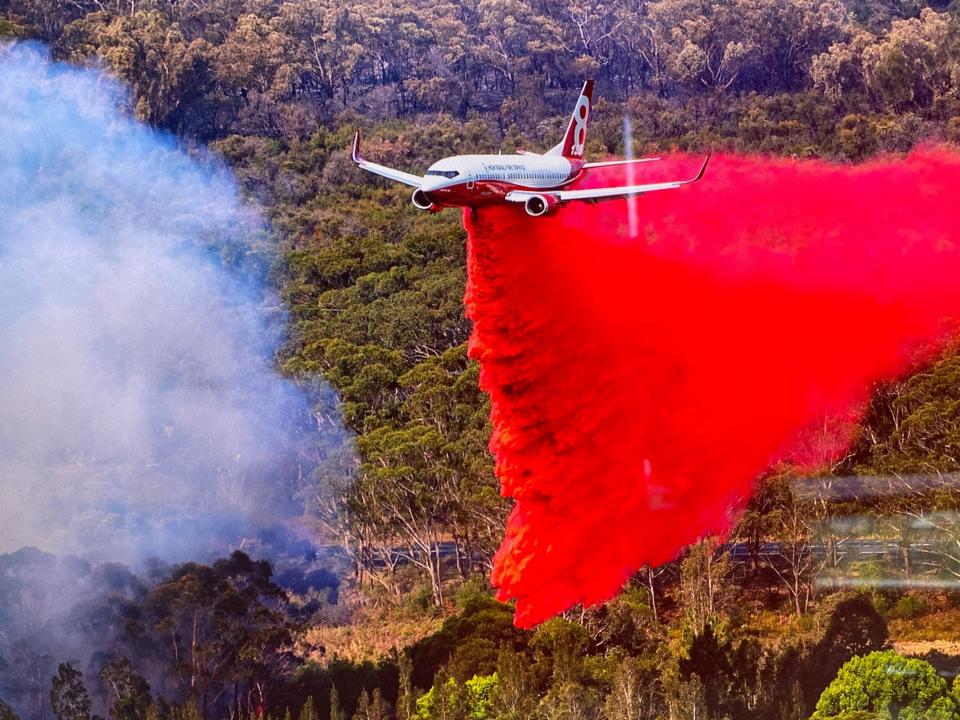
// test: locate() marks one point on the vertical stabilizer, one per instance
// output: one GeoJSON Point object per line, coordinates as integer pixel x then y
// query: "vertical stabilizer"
{"type": "Point", "coordinates": [576, 136]}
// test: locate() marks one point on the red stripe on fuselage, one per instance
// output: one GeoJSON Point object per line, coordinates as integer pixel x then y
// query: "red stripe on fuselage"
{"type": "Point", "coordinates": [487, 192]}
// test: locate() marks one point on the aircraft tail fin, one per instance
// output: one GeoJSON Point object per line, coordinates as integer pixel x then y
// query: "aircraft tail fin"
{"type": "Point", "coordinates": [576, 136]}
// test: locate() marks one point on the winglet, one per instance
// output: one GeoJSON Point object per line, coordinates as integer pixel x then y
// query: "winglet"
{"type": "Point", "coordinates": [356, 147]}
{"type": "Point", "coordinates": [703, 169]}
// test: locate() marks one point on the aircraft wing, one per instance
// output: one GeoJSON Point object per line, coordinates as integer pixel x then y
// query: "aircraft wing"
{"type": "Point", "coordinates": [387, 172]}
{"type": "Point", "coordinates": [618, 162]}
{"type": "Point", "coordinates": [603, 193]}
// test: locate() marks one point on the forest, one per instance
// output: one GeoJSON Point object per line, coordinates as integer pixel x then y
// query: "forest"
{"type": "Point", "coordinates": [834, 597]}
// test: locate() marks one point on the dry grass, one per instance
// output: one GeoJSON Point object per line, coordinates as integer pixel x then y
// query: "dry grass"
{"type": "Point", "coordinates": [372, 635]}
{"type": "Point", "coordinates": [921, 648]}
{"type": "Point", "coordinates": [940, 628]}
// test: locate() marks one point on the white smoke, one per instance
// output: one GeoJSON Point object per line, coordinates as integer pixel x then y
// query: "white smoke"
{"type": "Point", "coordinates": [140, 412]}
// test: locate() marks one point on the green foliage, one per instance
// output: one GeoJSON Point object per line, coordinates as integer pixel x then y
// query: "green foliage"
{"type": "Point", "coordinates": [222, 622]}
{"type": "Point", "coordinates": [908, 607]}
{"type": "Point", "coordinates": [913, 425]}
{"type": "Point", "coordinates": [856, 137]}
{"type": "Point", "coordinates": [448, 699]}
{"type": "Point", "coordinates": [445, 700]}
{"type": "Point", "coordinates": [68, 695]}
{"type": "Point", "coordinates": [288, 70]}
{"type": "Point", "coordinates": [687, 700]}
{"type": "Point", "coordinates": [346, 684]}
{"type": "Point", "coordinates": [130, 696]}
{"type": "Point", "coordinates": [516, 692]}
{"type": "Point", "coordinates": [569, 700]}
{"type": "Point", "coordinates": [470, 641]}
{"type": "Point", "coordinates": [626, 622]}
{"type": "Point", "coordinates": [559, 646]}
{"type": "Point", "coordinates": [481, 689]}
{"type": "Point", "coordinates": [888, 685]}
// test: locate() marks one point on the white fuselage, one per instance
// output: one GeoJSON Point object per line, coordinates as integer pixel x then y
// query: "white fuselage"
{"type": "Point", "coordinates": [522, 171]}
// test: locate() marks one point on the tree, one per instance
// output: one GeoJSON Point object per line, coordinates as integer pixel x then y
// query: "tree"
{"type": "Point", "coordinates": [165, 71]}
{"type": "Point", "coordinates": [912, 426]}
{"type": "Point", "coordinates": [406, 700]}
{"type": "Point", "coordinates": [708, 660]}
{"type": "Point", "coordinates": [336, 712]}
{"type": "Point", "coordinates": [917, 62]}
{"type": "Point", "coordinates": [856, 137]}
{"type": "Point", "coordinates": [331, 40]}
{"type": "Point", "coordinates": [514, 697]}
{"type": "Point", "coordinates": [221, 628]}
{"type": "Point", "coordinates": [259, 57]}
{"type": "Point", "coordinates": [789, 524]}
{"type": "Point", "coordinates": [855, 628]}
{"type": "Point", "coordinates": [10, 30]}
{"type": "Point", "coordinates": [309, 710]}
{"type": "Point", "coordinates": [68, 694]}
{"type": "Point", "coordinates": [702, 582]}
{"type": "Point", "coordinates": [446, 700]}
{"type": "Point", "coordinates": [371, 706]}
{"type": "Point", "coordinates": [888, 685]}
{"type": "Point", "coordinates": [634, 690]}
{"type": "Point", "coordinates": [481, 688]}
{"type": "Point", "coordinates": [686, 700]}
{"type": "Point", "coordinates": [129, 693]}
{"type": "Point", "coordinates": [838, 72]}
{"type": "Point", "coordinates": [569, 701]}
{"type": "Point", "coordinates": [559, 646]}
{"type": "Point", "coordinates": [789, 34]}
{"type": "Point", "coordinates": [708, 42]}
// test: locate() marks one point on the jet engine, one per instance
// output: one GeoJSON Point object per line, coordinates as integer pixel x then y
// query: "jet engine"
{"type": "Point", "coordinates": [537, 205]}
{"type": "Point", "coordinates": [421, 201]}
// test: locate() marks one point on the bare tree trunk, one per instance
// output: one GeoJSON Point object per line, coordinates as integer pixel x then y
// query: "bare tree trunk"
{"type": "Point", "coordinates": [653, 594]}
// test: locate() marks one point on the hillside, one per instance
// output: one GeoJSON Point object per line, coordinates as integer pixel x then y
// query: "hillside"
{"type": "Point", "coordinates": [375, 289]}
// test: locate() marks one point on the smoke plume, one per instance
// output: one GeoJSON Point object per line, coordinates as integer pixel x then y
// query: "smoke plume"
{"type": "Point", "coordinates": [140, 413]}
{"type": "Point", "coordinates": [639, 385]}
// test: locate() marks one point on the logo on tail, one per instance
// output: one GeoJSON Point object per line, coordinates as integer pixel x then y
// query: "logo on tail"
{"type": "Point", "coordinates": [576, 136]}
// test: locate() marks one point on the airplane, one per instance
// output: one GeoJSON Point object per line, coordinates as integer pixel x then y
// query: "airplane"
{"type": "Point", "coordinates": [541, 182]}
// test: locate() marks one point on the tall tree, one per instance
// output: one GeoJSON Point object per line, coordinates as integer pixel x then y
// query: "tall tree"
{"type": "Point", "coordinates": [68, 695]}
{"type": "Point", "coordinates": [130, 697]}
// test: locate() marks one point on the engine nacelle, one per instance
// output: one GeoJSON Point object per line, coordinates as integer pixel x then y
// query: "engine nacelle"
{"type": "Point", "coordinates": [538, 205]}
{"type": "Point", "coordinates": [421, 201]}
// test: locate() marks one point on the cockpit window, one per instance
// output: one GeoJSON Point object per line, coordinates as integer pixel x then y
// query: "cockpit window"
{"type": "Point", "coordinates": [444, 173]}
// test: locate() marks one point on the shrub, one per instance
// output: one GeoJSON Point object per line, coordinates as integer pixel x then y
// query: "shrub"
{"type": "Point", "coordinates": [908, 607]}
{"type": "Point", "coordinates": [889, 686]}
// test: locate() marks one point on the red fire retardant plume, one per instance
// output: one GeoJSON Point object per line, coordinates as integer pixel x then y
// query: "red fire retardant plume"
{"type": "Point", "coordinates": [639, 385]}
